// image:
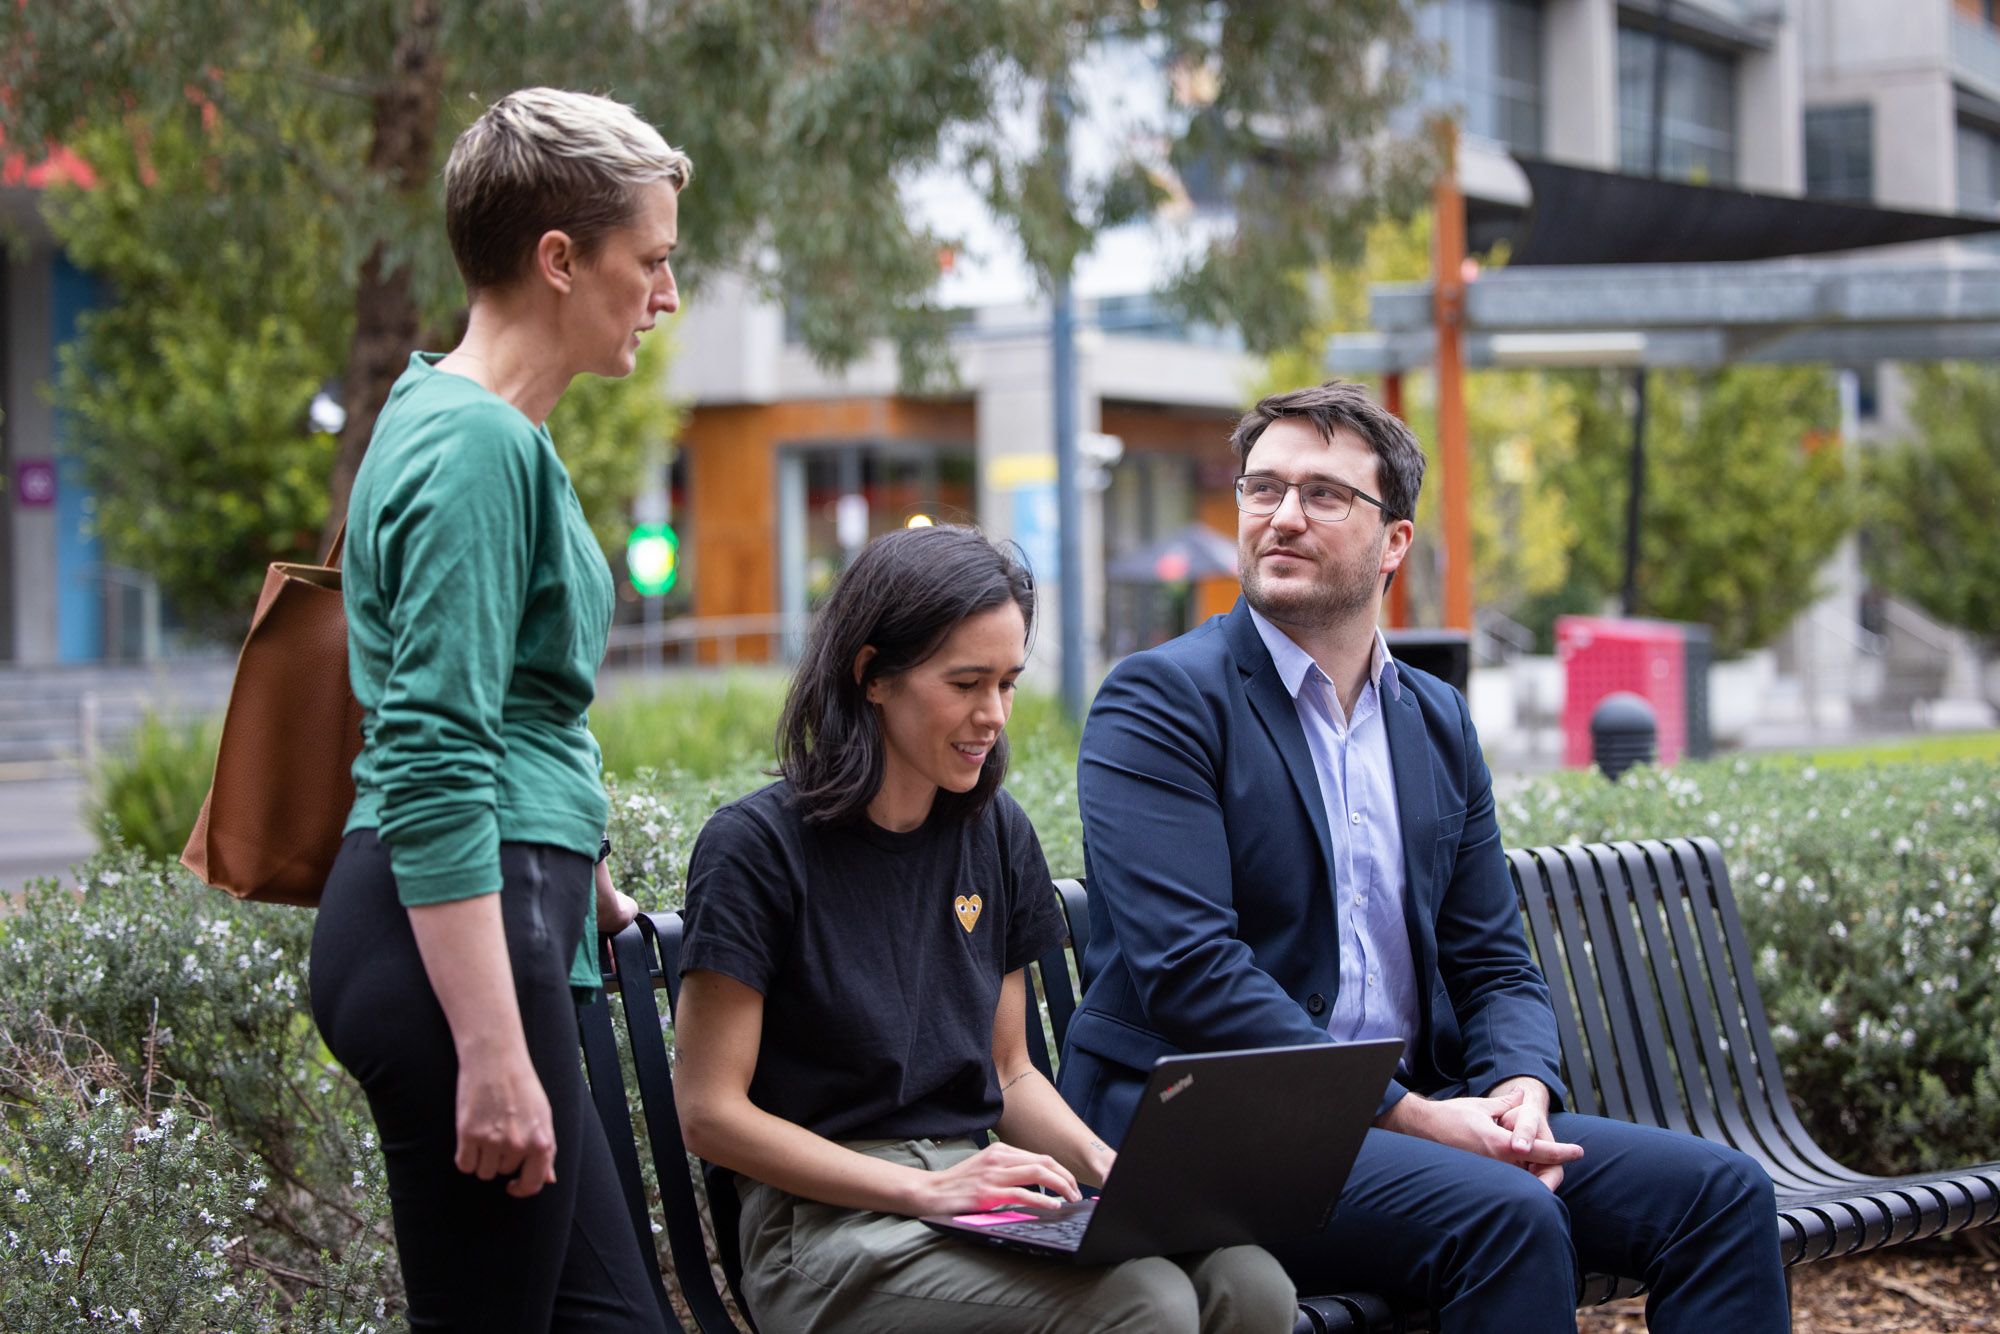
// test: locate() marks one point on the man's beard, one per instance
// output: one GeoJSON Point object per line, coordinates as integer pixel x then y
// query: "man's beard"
{"type": "Point", "coordinates": [1337, 594]}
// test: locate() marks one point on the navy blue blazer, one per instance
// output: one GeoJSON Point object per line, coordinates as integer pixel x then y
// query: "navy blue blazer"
{"type": "Point", "coordinates": [1211, 896]}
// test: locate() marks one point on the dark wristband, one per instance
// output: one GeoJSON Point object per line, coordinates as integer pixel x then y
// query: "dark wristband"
{"type": "Point", "coordinates": [604, 848]}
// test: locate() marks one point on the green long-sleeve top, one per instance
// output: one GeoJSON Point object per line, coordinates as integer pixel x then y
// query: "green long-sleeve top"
{"type": "Point", "coordinates": [477, 607]}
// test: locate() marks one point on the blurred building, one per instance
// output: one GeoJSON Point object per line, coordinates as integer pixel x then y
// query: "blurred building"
{"type": "Point", "coordinates": [787, 468]}
{"type": "Point", "coordinates": [58, 602]}
{"type": "Point", "coordinates": [1864, 101]}
{"type": "Point", "coordinates": [776, 449]}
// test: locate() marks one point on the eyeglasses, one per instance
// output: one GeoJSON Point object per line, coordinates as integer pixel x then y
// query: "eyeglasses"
{"type": "Point", "coordinates": [1323, 502]}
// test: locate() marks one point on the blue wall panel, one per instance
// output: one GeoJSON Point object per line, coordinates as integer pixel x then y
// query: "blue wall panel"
{"type": "Point", "coordinates": [79, 592]}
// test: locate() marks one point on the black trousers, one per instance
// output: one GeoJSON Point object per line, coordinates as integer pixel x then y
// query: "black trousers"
{"type": "Point", "coordinates": [474, 1257]}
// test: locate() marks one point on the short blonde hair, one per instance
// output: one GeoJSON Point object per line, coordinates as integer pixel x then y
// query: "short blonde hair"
{"type": "Point", "coordinates": [543, 159]}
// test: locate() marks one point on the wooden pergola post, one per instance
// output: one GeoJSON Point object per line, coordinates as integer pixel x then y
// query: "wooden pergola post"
{"type": "Point", "coordinates": [1448, 315]}
{"type": "Point", "coordinates": [1397, 610]}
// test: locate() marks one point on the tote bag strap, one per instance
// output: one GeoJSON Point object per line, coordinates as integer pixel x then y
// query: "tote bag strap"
{"type": "Point", "coordinates": [332, 560]}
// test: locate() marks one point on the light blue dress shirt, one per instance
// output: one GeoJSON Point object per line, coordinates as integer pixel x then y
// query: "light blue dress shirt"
{"type": "Point", "coordinates": [1357, 785]}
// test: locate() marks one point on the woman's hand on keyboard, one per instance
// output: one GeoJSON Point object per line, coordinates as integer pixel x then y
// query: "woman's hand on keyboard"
{"type": "Point", "coordinates": [998, 1176]}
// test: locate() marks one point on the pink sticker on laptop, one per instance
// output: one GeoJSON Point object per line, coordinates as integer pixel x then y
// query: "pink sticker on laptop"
{"type": "Point", "coordinates": [991, 1220]}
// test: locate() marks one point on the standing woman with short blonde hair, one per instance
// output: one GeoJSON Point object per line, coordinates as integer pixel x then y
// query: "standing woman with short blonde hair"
{"type": "Point", "coordinates": [459, 913]}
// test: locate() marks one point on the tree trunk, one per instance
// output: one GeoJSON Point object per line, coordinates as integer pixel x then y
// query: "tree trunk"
{"type": "Point", "coordinates": [405, 110]}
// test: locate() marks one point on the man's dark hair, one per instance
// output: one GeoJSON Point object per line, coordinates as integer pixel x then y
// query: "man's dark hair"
{"type": "Point", "coordinates": [1342, 404]}
{"type": "Point", "coordinates": [904, 595]}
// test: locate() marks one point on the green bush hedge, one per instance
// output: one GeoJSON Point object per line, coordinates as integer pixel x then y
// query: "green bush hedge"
{"type": "Point", "coordinates": [163, 1027]}
{"type": "Point", "coordinates": [148, 792]}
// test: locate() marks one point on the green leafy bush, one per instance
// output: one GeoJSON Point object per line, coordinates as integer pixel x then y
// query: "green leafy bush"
{"type": "Point", "coordinates": [148, 792]}
{"type": "Point", "coordinates": [701, 725]}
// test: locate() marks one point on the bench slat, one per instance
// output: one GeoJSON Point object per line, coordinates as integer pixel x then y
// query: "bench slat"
{"type": "Point", "coordinates": [607, 1093]}
{"type": "Point", "coordinates": [636, 953]}
{"type": "Point", "coordinates": [1536, 899]}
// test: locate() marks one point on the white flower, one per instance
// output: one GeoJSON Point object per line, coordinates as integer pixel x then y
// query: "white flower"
{"type": "Point", "coordinates": [1830, 1041]}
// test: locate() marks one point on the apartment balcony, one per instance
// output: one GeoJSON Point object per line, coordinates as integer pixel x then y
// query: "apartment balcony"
{"type": "Point", "coordinates": [1975, 56]}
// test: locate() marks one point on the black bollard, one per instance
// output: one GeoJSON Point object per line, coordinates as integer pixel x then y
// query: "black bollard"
{"type": "Point", "coordinates": [1622, 733]}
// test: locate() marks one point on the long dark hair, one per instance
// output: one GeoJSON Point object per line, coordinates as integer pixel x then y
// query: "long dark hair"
{"type": "Point", "coordinates": [904, 594]}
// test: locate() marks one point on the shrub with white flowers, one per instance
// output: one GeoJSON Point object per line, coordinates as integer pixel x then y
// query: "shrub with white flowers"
{"type": "Point", "coordinates": [1869, 896]}
{"type": "Point", "coordinates": [176, 987]}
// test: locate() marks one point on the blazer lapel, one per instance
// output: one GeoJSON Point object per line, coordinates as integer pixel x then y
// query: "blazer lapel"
{"type": "Point", "coordinates": [1417, 812]}
{"type": "Point", "coordinates": [1280, 716]}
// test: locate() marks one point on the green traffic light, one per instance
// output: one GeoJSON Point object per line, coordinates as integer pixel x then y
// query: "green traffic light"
{"type": "Point", "coordinates": [652, 558]}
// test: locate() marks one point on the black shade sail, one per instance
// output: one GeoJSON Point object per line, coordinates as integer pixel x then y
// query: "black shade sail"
{"type": "Point", "coordinates": [1580, 216]}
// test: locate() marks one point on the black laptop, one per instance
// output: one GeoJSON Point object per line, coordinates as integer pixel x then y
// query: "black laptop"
{"type": "Point", "coordinates": [1226, 1147]}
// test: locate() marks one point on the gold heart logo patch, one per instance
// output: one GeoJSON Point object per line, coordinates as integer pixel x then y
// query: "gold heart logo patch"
{"type": "Point", "coordinates": [967, 909]}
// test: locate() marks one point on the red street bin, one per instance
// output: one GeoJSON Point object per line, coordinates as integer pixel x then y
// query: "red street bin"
{"type": "Point", "coordinates": [1601, 655]}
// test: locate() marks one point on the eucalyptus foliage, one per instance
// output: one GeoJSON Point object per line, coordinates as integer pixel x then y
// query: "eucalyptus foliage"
{"type": "Point", "coordinates": [1931, 532]}
{"type": "Point", "coordinates": [1746, 495]}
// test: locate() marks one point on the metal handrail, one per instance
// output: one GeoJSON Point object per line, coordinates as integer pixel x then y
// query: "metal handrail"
{"type": "Point", "coordinates": [650, 641]}
{"type": "Point", "coordinates": [1503, 637]}
{"type": "Point", "coordinates": [1851, 633]}
{"type": "Point", "coordinates": [1918, 626]}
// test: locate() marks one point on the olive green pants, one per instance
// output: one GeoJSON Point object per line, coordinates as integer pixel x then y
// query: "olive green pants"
{"type": "Point", "coordinates": [815, 1267]}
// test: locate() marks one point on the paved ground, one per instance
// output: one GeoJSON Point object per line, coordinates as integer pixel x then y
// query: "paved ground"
{"type": "Point", "coordinates": [41, 828]}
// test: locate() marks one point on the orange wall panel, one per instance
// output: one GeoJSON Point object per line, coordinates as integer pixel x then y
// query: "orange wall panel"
{"type": "Point", "coordinates": [1212, 597]}
{"type": "Point", "coordinates": [732, 495]}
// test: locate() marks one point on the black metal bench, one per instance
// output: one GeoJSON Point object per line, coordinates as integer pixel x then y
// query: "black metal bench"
{"type": "Point", "coordinates": [1660, 1019]}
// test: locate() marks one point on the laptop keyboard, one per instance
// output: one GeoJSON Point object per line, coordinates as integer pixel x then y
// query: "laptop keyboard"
{"type": "Point", "coordinates": [1065, 1232]}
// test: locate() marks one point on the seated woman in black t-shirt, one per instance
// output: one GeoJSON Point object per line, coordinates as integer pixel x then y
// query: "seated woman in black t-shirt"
{"type": "Point", "coordinates": [853, 1003]}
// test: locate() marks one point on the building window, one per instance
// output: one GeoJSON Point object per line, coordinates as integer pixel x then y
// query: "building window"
{"type": "Point", "coordinates": [1978, 169]}
{"type": "Point", "coordinates": [1698, 130]}
{"type": "Point", "coordinates": [1492, 71]}
{"type": "Point", "coordinates": [1840, 153]}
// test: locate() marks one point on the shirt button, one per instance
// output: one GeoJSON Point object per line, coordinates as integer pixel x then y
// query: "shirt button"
{"type": "Point", "coordinates": [1360, 901]}
{"type": "Point", "coordinates": [1355, 818]}
{"type": "Point", "coordinates": [1371, 979]}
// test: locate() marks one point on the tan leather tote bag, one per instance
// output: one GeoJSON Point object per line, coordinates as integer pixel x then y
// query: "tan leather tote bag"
{"type": "Point", "coordinates": [283, 783]}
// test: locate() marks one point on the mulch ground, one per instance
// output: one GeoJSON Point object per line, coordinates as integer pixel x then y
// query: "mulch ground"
{"type": "Point", "coordinates": [1939, 1287]}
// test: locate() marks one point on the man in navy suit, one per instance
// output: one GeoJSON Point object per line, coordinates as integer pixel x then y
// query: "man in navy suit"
{"type": "Point", "coordinates": [1290, 838]}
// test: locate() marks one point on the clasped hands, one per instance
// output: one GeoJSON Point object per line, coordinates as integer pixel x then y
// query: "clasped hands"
{"type": "Point", "coordinates": [1510, 1124]}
